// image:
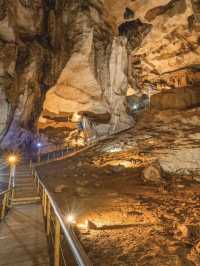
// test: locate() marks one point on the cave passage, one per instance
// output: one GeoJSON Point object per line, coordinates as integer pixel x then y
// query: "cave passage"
{"type": "Point", "coordinates": [100, 132]}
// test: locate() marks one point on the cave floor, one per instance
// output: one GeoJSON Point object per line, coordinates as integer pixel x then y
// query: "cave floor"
{"type": "Point", "coordinates": [132, 221]}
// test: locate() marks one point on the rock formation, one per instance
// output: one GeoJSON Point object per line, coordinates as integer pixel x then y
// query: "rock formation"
{"type": "Point", "coordinates": [69, 49]}
{"type": "Point", "coordinates": [94, 79]}
{"type": "Point", "coordinates": [169, 36]}
{"type": "Point", "coordinates": [22, 70]}
{"type": "Point", "coordinates": [63, 57]}
{"type": "Point", "coordinates": [177, 98]}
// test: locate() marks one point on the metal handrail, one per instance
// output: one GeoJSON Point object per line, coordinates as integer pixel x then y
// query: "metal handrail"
{"type": "Point", "coordinates": [5, 201]}
{"type": "Point", "coordinates": [76, 248]}
{"type": "Point", "coordinates": [5, 191]}
{"type": "Point", "coordinates": [88, 145]}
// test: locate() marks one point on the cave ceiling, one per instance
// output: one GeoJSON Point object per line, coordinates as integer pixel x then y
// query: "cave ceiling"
{"type": "Point", "coordinates": [172, 42]}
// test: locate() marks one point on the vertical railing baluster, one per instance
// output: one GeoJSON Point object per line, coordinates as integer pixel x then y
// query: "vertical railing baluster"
{"type": "Point", "coordinates": [43, 195]}
{"type": "Point", "coordinates": [4, 205]}
{"type": "Point", "coordinates": [12, 195]}
{"type": "Point", "coordinates": [45, 204]}
{"type": "Point", "coordinates": [57, 243]}
{"type": "Point", "coordinates": [38, 186]}
{"type": "Point", "coordinates": [48, 217]}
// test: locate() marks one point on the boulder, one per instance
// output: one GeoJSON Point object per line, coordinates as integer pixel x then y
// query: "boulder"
{"type": "Point", "coordinates": [189, 232]}
{"type": "Point", "coordinates": [91, 225]}
{"type": "Point", "coordinates": [184, 160]}
{"type": "Point", "coordinates": [60, 188]}
{"type": "Point", "coordinates": [152, 173]}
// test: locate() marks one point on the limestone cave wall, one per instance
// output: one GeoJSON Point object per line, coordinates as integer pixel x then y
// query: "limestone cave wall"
{"type": "Point", "coordinates": [168, 35]}
{"type": "Point", "coordinates": [63, 57]}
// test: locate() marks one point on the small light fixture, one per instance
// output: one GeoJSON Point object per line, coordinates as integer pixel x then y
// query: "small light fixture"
{"type": "Point", "coordinates": [135, 107]}
{"type": "Point", "coordinates": [39, 144]}
{"type": "Point", "coordinates": [70, 219]}
{"type": "Point", "coordinates": [12, 159]}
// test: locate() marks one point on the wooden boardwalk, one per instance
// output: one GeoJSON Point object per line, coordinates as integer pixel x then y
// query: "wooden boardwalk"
{"type": "Point", "coordinates": [22, 234]}
{"type": "Point", "coordinates": [22, 237]}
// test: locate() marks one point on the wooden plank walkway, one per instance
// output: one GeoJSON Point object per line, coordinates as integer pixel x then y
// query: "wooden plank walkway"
{"type": "Point", "coordinates": [22, 237]}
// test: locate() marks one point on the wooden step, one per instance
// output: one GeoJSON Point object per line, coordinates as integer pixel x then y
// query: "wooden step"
{"type": "Point", "coordinates": [24, 179]}
{"type": "Point", "coordinates": [31, 187]}
{"type": "Point", "coordinates": [25, 194]}
{"type": "Point", "coordinates": [30, 184]}
{"type": "Point", "coordinates": [25, 200]}
{"type": "Point", "coordinates": [25, 184]}
{"type": "Point", "coordinates": [25, 190]}
{"type": "Point", "coordinates": [22, 194]}
{"type": "Point", "coordinates": [18, 175]}
{"type": "Point", "coordinates": [23, 172]}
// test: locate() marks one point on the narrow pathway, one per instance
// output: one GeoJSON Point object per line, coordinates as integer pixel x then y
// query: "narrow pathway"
{"type": "Point", "coordinates": [25, 188]}
{"type": "Point", "coordinates": [22, 233]}
{"type": "Point", "coordinates": [22, 237]}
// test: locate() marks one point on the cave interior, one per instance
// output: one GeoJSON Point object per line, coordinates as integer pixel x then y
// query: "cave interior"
{"type": "Point", "coordinates": [118, 82]}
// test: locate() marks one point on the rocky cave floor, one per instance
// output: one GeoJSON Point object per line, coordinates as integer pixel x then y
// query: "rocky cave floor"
{"type": "Point", "coordinates": [133, 221]}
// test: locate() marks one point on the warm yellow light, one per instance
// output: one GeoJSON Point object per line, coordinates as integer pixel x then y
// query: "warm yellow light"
{"type": "Point", "coordinates": [70, 219]}
{"type": "Point", "coordinates": [12, 159]}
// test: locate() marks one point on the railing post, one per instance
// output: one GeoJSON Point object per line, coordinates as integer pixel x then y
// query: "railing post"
{"type": "Point", "coordinates": [4, 205]}
{"type": "Point", "coordinates": [48, 217]}
{"type": "Point", "coordinates": [57, 243]}
{"type": "Point", "coordinates": [43, 196]}
{"type": "Point", "coordinates": [12, 194]}
{"type": "Point", "coordinates": [45, 204]}
{"type": "Point", "coordinates": [38, 186]}
{"type": "Point", "coordinates": [8, 199]}
{"type": "Point", "coordinates": [35, 176]}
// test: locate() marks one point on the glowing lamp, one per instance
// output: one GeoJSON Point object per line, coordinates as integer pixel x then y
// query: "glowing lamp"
{"type": "Point", "coordinates": [12, 159]}
{"type": "Point", "coordinates": [135, 107]}
{"type": "Point", "coordinates": [39, 144]}
{"type": "Point", "coordinates": [70, 219]}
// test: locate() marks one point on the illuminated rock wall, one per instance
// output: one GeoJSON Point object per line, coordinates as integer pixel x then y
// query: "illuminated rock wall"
{"type": "Point", "coordinates": [168, 34]}
{"type": "Point", "coordinates": [84, 54]}
{"type": "Point", "coordinates": [68, 48]}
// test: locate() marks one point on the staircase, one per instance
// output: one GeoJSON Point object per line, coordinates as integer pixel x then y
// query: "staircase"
{"type": "Point", "coordinates": [25, 188]}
